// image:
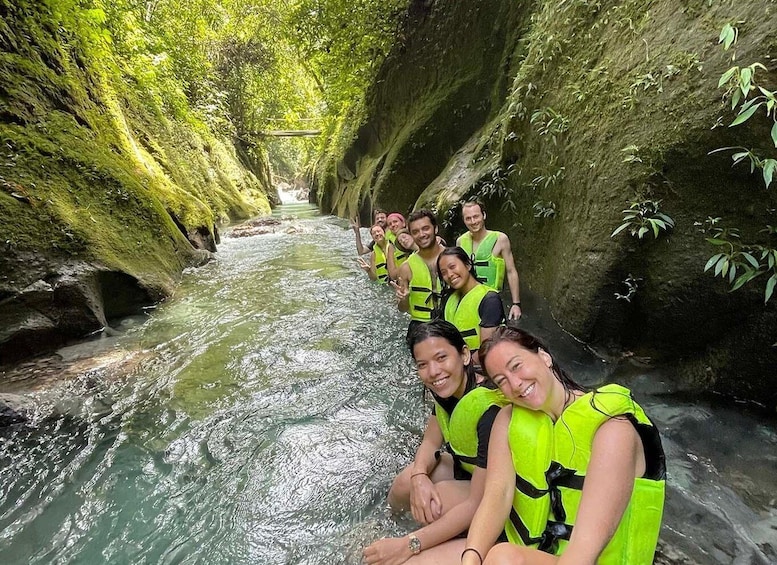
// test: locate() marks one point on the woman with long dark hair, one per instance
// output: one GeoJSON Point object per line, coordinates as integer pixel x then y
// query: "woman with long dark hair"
{"type": "Point", "coordinates": [443, 485]}
{"type": "Point", "coordinates": [474, 308]}
{"type": "Point", "coordinates": [574, 477]}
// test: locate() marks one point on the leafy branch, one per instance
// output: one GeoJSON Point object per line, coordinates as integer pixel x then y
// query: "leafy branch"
{"type": "Point", "coordinates": [643, 217]}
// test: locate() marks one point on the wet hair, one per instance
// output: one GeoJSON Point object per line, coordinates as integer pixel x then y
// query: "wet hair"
{"type": "Point", "coordinates": [464, 258]}
{"type": "Point", "coordinates": [531, 343]}
{"type": "Point", "coordinates": [474, 202]}
{"type": "Point", "coordinates": [397, 244]}
{"type": "Point", "coordinates": [461, 255]}
{"type": "Point", "coordinates": [422, 213]}
{"type": "Point", "coordinates": [444, 330]}
{"type": "Point", "coordinates": [435, 328]}
{"type": "Point", "coordinates": [377, 211]}
{"type": "Point", "coordinates": [373, 226]}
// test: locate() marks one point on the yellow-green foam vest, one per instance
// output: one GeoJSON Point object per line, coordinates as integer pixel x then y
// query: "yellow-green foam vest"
{"type": "Point", "coordinates": [530, 436]}
{"type": "Point", "coordinates": [460, 429]}
{"type": "Point", "coordinates": [390, 237]}
{"type": "Point", "coordinates": [464, 314]}
{"type": "Point", "coordinates": [381, 267]}
{"type": "Point", "coordinates": [634, 542]}
{"type": "Point", "coordinates": [400, 257]}
{"type": "Point", "coordinates": [422, 299]}
{"type": "Point", "coordinates": [490, 270]}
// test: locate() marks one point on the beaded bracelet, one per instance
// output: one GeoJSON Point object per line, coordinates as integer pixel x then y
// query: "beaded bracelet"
{"type": "Point", "coordinates": [473, 550]}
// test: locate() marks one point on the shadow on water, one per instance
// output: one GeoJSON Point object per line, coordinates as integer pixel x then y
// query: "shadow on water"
{"type": "Point", "coordinates": [272, 405]}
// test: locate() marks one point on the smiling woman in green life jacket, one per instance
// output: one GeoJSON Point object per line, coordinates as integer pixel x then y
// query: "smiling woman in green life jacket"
{"type": "Point", "coordinates": [574, 477]}
{"type": "Point", "coordinates": [442, 489]}
{"type": "Point", "coordinates": [474, 308]}
{"type": "Point", "coordinates": [377, 268]}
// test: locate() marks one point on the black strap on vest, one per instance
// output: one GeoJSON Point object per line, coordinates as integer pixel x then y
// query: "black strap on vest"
{"type": "Point", "coordinates": [559, 476]}
{"type": "Point", "coordinates": [469, 333]}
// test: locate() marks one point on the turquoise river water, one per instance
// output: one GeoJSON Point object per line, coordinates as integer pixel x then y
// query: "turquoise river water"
{"type": "Point", "coordinates": [269, 405]}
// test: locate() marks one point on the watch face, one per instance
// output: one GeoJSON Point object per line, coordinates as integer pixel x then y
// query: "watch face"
{"type": "Point", "coordinates": [415, 545]}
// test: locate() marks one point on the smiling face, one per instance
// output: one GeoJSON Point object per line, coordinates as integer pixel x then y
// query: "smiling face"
{"type": "Point", "coordinates": [474, 218]}
{"type": "Point", "coordinates": [405, 240]}
{"type": "Point", "coordinates": [454, 271]}
{"type": "Point", "coordinates": [525, 377]}
{"type": "Point", "coordinates": [441, 367]}
{"type": "Point", "coordinates": [380, 219]}
{"type": "Point", "coordinates": [395, 223]}
{"type": "Point", "coordinates": [424, 233]}
{"type": "Point", "coordinates": [377, 233]}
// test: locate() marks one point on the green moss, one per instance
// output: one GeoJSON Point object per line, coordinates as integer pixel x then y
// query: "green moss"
{"type": "Point", "coordinates": [91, 165]}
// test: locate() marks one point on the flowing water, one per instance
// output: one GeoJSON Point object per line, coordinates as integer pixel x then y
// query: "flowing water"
{"type": "Point", "coordinates": [268, 406]}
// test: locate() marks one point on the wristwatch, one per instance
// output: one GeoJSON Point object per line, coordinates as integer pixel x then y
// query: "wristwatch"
{"type": "Point", "coordinates": [414, 544]}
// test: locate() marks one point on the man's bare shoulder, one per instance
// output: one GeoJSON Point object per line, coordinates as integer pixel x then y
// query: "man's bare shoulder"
{"type": "Point", "coordinates": [502, 244]}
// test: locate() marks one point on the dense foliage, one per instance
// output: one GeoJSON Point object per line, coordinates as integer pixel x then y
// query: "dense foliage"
{"type": "Point", "coordinates": [253, 65]}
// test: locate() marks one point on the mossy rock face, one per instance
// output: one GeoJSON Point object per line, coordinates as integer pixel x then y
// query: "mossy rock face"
{"type": "Point", "coordinates": [99, 184]}
{"type": "Point", "coordinates": [591, 105]}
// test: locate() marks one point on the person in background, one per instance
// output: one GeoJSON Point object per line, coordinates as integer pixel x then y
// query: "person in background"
{"type": "Point", "coordinates": [418, 285]}
{"type": "Point", "coordinates": [474, 308]}
{"type": "Point", "coordinates": [574, 477]}
{"type": "Point", "coordinates": [395, 222]}
{"type": "Point", "coordinates": [378, 218]}
{"type": "Point", "coordinates": [442, 489]}
{"type": "Point", "coordinates": [377, 268]}
{"type": "Point", "coordinates": [491, 254]}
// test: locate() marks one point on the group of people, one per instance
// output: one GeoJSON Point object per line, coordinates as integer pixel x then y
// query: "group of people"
{"type": "Point", "coordinates": [518, 464]}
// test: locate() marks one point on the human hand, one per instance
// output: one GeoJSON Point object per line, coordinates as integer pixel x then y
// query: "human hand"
{"type": "Point", "coordinates": [355, 223]}
{"type": "Point", "coordinates": [514, 313]}
{"type": "Point", "coordinates": [387, 551]}
{"type": "Point", "coordinates": [401, 292]}
{"type": "Point", "coordinates": [425, 501]}
{"type": "Point", "coordinates": [363, 265]}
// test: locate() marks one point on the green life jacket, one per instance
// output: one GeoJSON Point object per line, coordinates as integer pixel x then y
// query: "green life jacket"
{"type": "Point", "coordinates": [422, 298]}
{"type": "Point", "coordinates": [464, 314]}
{"type": "Point", "coordinates": [530, 436]}
{"type": "Point", "coordinates": [400, 257]}
{"type": "Point", "coordinates": [634, 542]}
{"type": "Point", "coordinates": [490, 270]}
{"type": "Point", "coordinates": [381, 267]}
{"type": "Point", "coordinates": [460, 429]}
{"type": "Point", "coordinates": [390, 237]}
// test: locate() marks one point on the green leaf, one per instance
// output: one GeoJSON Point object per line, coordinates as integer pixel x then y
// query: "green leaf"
{"type": "Point", "coordinates": [642, 231]}
{"type": "Point", "coordinates": [745, 78]}
{"type": "Point", "coordinates": [774, 134]}
{"type": "Point", "coordinates": [735, 98]}
{"type": "Point", "coordinates": [725, 77]}
{"type": "Point", "coordinates": [745, 115]}
{"type": "Point", "coordinates": [654, 225]}
{"type": "Point", "coordinates": [715, 241]}
{"type": "Point", "coordinates": [714, 259]}
{"type": "Point", "coordinates": [770, 288]}
{"type": "Point", "coordinates": [719, 266]}
{"type": "Point", "coordinates": [619, 229]}
{"type": "Point", "coordinates": [738, 157]}
{"type": "Point", "coordinates": [769, 166]}
{"type": "Point", "coordinates": [732, 273]}
{"type": "Point", "coordinates": [752, 260]}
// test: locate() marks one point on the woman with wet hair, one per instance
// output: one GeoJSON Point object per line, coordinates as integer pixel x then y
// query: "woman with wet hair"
{"type": "Point", "coordinates": [443, 485]}
{"type": "Point", "coordinates": [574, 477]}
{"type": "Point", "coordinates": [474, 308]}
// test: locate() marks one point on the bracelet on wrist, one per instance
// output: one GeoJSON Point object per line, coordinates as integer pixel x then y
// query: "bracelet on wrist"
{"type": "Point", "coordinates": [419, 473]}
{"type": "Point", "coordinates": [517, 303]}
{"type": "Point", "coordinates": [473, 550]}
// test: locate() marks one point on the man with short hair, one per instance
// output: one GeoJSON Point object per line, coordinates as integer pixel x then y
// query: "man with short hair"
{"type": "Point", "coordinates": [491, 254]}
{"type": "Point", "coordinates": [418, 285]}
